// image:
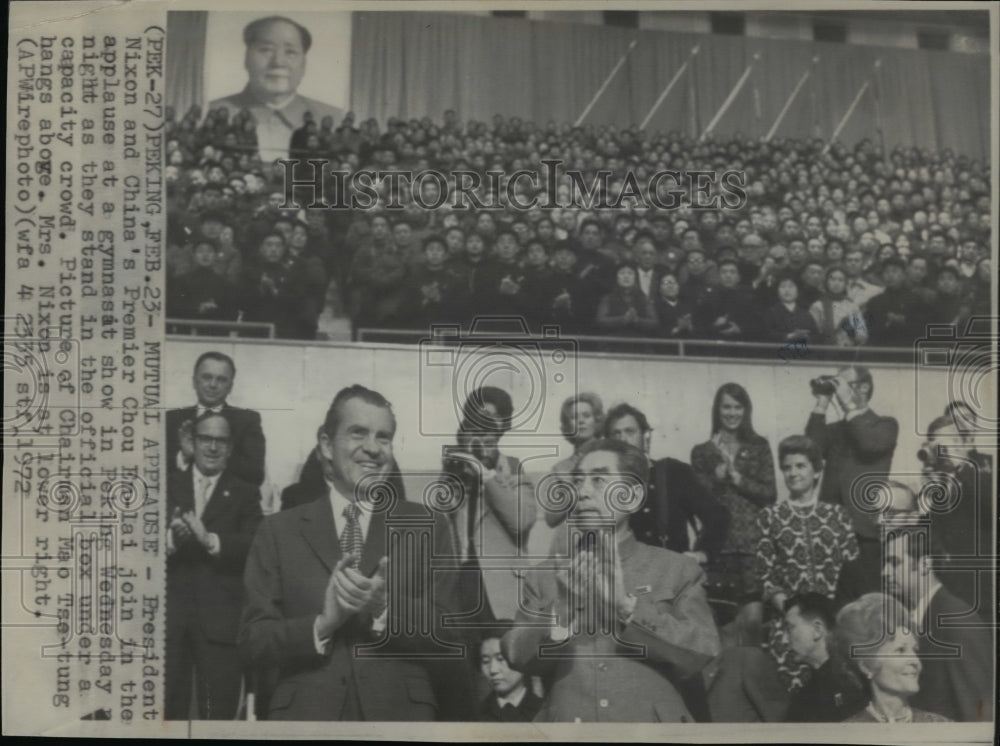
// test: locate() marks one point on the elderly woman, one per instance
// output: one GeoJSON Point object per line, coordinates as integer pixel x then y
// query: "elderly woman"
{"type": "Point", "coordinates": [581, 420]}
{"type": "Point", "coordinates": [874, 641]}
{"type": "Point", "coordinates": [803, 546]}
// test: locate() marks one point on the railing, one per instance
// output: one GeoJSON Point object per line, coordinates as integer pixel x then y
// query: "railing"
{"type": "Point", "coordinates": [203, 328]}
{"type": "Point", "coordinates": [683, 348]}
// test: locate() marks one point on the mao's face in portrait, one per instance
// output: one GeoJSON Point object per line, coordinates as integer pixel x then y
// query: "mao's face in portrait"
{"type": "Point", "coordinates": [276, 61]}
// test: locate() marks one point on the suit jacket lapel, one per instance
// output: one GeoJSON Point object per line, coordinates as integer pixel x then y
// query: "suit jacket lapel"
{"type": "Point", "coordinates": [184, 497]}
{"type": "Point", "coordinates": [320, 532]}
{"type": "Point", "coordinates": [218, 498]}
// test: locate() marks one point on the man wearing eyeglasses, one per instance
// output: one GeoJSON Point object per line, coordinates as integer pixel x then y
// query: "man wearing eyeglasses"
{"type": "Point", "coordinates": [860, 443]}
{"type": "Point", "coordinates": [214, 374]}
{"type": "Point", "coordinates": [213, 518]}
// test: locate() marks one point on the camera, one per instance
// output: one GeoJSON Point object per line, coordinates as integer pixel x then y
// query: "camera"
{"type": "Point", "coordinates": [823, 386]}
{"type": "Point", "coordinates": [453, 364]}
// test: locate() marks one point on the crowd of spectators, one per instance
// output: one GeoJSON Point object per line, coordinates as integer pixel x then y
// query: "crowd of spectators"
{"type": "Point", "coordinates": [840, 246]}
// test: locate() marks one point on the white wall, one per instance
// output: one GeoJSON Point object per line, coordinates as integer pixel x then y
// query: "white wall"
{"type": "Point", "coordinates": [292, 386]}
{"type": "Point", "coordinates": [328, 63]}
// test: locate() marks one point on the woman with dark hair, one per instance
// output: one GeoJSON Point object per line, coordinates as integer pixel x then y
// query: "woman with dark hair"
{"type": "Point", "coordinates": [803, 545]}
{"type": "Point", "coordinates": [787, 320]}
{"type": "Point", "coordinates": [837, 317]}
{"type": "Point", "coordinates": [890, 666]}
{"type": "Point", "coordinates": [736, 466]}
{"type": "Point", "coordinates": [581, 420]}
{"type": "Point", "coordinates": [676, 315]}
{"type": "Point", "coordinates": [626, 309]}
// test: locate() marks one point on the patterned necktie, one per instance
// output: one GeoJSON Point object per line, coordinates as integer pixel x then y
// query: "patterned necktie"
{"type": "Point", "coordinates": [351, 540]}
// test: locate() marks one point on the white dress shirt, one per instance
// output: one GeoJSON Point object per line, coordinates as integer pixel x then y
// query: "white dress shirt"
{"type": "Point", "coordinates": [514, 698]}
{"type": "Point", "coordinates": [645, 281]}
{"type": "Point", "coordinates": [204, 486]}
{"type": "Point", "coordinates": [339, 503]}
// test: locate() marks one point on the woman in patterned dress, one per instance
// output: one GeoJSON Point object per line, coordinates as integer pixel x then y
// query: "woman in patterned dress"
{"type": "Point", "coordinates": [803, 546]}
{"type": "Point", "coordinates": [736, 466]}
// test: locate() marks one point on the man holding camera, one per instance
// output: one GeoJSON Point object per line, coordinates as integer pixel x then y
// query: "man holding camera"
{"type": "Point", "coordinates": [964, 523]}
{"type": "Point", "coordinates": [860, 443]}
{"type": "Point", "coordinates": [498, 507]}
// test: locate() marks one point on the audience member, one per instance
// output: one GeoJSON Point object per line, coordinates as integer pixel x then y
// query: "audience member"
{"type": "Point", "coordinates": [788, 320]}
{"type": "Point", "coordinates": [213, 516]}
{"type": "Point", "coordinates": [213, 378]}
{"type": "Point", "coordinates": [677, 506]}
{"type": "Point", "coordinates": [803, 546]}
{"type": "Point", "coordinates": [511, 699]}
{"type": "Point", "coordinates": [837, 317]}
{"type": "Point", "coordinates": [955, 678]}
{"type": "Point", "coordinates": [861, 443]}
{"type": "Point", "coordinates": [626, 309]}
{"type": "Point", "coordinates": [581, 419]}
{"type": "Point", "coordinates": [798, 218]}
{"type": "Point", "coordinates": [652, 600]}
{"type": "Point", "coordinates": [829, 696]}
{"type": "Point", "coordinates": [736, 466]}
{"type": "Point", "coordinates": [876, 640]}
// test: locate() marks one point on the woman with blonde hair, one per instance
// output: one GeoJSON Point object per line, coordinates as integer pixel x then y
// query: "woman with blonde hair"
{"type": "Point", "coordinates": [581, 419]}
{"type": "Point", "coordinates": [875, 642]}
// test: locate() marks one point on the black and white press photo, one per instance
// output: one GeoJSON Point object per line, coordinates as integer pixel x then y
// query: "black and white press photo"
{"type": "Point", "coordinates": [448, 371]}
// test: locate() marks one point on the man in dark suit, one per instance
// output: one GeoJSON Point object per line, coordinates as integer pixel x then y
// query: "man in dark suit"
{"type": "Point", "coordinates": [965, 522]}
{"type": "Point", "coordinates": [319, 585]}
{"type": "Point", "coordinates": [675, 501]}
{"type": "Point", "coordinates": [213, 378]}
{"type": "Point", "coordinates": [214, 515]}
{"type": "Point", "coordinates": [896, 314]}
{"type": "Point", "coordinates": [956, 645]}
{"type": "Point", "coordinates": [827, 697]}
{"type": "Point", "coordinates": [862, 443]}
{"type": "Point", "coordinates": [626, 619]}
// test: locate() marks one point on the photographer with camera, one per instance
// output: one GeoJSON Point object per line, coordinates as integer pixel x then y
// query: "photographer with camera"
{"type": "Point", "coordinates": [498, 510]}
{"type": "Point", "coordinates": [860, 443]}
{"type": "Point", "coordinates": [964, 519]}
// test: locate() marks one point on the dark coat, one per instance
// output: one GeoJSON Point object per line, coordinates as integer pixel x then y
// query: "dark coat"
{"type": "Point", "coordinates": [205, 591]}
{"type": "Point", "coordinates": [247, 458]}
{"type": "Point", "coordinates": [674, 499]}
{"type": "Point", "coordinates": [851, 449]}
{"type": "Point", "coordinates": [826, 698]}
{"type": "Point", "coordinates": [779, 322]}
{"type": "Point", "coordinates": [288, 569]}
{"type": "Point", "coordinates": [958, 659]}
{"type": "Point", "coordinates": [744, 687]}
{"type": "Point", "coordinates": [491, 712]}
{"type": "Point", "coordinates": [186, 295]}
